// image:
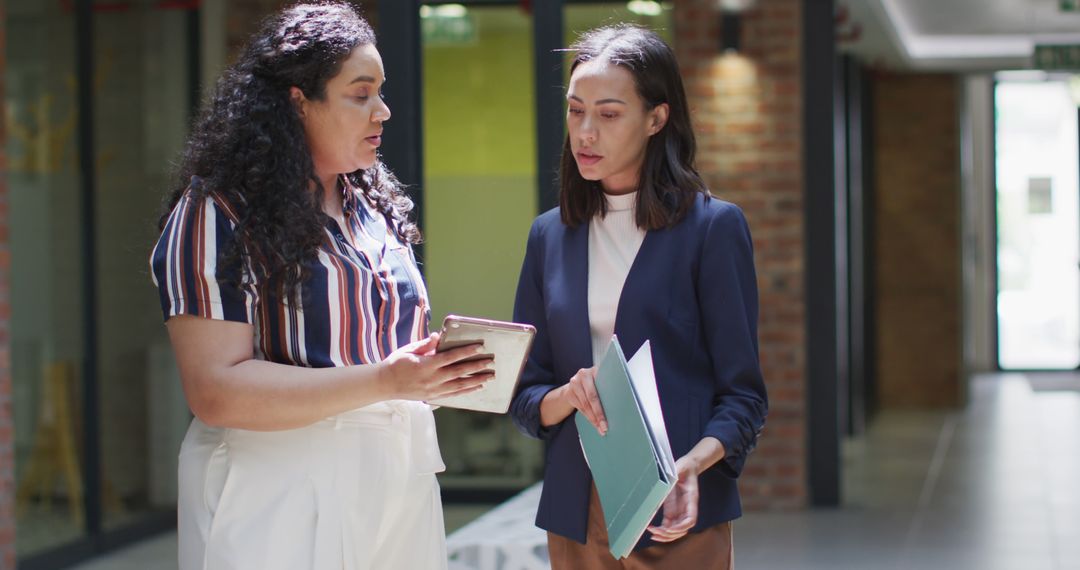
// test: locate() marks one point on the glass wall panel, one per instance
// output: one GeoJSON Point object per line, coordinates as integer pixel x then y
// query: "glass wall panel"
{"type": "Point", "coordinates": [479, 200]}
{"type": "Point", "coordinates": [142, 106]}
{"type": "Point", "coordinates": [46, 274]}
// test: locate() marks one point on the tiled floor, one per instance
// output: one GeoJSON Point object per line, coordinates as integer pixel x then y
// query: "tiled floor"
{"type": "Point", "coordinates": [996, 486]}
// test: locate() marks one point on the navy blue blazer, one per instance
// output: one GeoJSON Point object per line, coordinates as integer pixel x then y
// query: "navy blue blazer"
{"type": "Point", "coordinates": [692, 292]}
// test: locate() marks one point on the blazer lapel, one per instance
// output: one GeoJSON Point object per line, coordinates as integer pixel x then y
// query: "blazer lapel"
{"type": "Point", "coordinates": [637, 289]}
{"type": "Point", "coordinates": [577, 289]}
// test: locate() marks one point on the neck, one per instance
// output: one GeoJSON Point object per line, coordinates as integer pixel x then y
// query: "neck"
{"type": "Point", "coordinates": [332, 202]}
{"type": "Point", "coordinates": [618, 186]}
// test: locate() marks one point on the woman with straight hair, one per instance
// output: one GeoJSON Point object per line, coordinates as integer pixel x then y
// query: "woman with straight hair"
{"type": "Point", "coordinates": [299, 319]}
{"type": "Point", "coordinates": [638, 247]}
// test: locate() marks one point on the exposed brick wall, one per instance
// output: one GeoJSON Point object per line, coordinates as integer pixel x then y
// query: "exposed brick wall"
{"type": "Point", "coordinates": [7, 436]}
{"type": "Point", "coordinates": [917, 252]}
{"type": "Point", "coordinates": [747, 112]}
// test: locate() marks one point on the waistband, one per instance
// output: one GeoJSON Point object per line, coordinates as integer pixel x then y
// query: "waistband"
{"type": "Point", "coordinates": [414, 418]}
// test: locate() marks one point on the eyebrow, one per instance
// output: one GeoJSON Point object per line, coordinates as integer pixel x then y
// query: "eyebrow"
{"type": "Point", "coordinates": [600, 102]}
{"type": "Point", "coordinates": [363, 79]}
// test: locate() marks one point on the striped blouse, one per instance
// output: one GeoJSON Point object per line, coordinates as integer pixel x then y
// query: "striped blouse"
{"type": "Point", "coordinates": [364, 298]}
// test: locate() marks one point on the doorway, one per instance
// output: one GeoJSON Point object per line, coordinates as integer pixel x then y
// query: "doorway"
{"type": "Point", "coordinates": [1038, 224]}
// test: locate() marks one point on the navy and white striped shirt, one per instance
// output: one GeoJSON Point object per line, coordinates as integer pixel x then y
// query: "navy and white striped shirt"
{"type": "Point", "coordinates": [364, 298]}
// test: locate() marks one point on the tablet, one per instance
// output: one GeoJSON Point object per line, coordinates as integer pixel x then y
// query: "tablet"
{"type": "Point", "coordinates": [508, 342]}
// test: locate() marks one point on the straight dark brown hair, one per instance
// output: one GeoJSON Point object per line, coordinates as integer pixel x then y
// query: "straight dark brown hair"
{"type": "Point", "coordinates": [668, 183]}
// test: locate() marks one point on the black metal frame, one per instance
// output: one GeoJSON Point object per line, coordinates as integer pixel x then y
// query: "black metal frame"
{"type": "Point", "coordinates": [403, 145]}
{"type": "Point", "coordinates": [842, 231]}
{"type": "Point", "coordinates": [860, 404]}
{"type": "Point", "coordinates": [84, 71]}
{"type": "Point", "coordinates": [870, 324]}
{"type": "Point", "coordinates": [823, 349]}
{"type": "Point", "coordinates": [548, 67]}
{"type": "Point", "coordinates": [96, 540]}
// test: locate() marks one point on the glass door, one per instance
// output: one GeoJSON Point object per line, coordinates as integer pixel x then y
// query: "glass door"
{"type": "Point", "coordinates": [1038, 225]}
{"type": "Point", "coordinates": [479, 201]}
{"type": "Point", "coordinates": [142, 107]}
{"type": "Point", "coordinates": [47, 341]}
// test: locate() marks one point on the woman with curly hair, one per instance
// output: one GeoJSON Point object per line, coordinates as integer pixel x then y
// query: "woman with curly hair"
{"type": "Point", "coordinates": [299, 319]}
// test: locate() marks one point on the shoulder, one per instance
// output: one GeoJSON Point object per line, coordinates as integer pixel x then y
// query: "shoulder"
{"type": "Point", "coordinates": [723, 229]}
{"type": "Point", "coordinates": [200, 199]}
{"type": "Point", "coordinates": [710, 210]}
{"type": "Point", "coordinates": [714, 223]}
{"type": "Point", "coordinates": [710, 216]}
{"type": "Point", "coordinates": [547, 225]}
{"type": "Point", "coordinates": [549, 220]}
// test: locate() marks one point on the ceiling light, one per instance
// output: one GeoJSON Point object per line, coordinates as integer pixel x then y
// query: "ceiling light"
{"type": "Point", "coordinates": [735, 6]}
{"type": "Point", "coordinates": [645, 7]}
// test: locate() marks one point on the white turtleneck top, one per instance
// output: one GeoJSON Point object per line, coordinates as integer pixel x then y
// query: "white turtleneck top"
{"type": "Point", "coordinates": [614, 241]}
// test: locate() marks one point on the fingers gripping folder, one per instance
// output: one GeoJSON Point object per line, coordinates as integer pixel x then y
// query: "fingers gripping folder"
{"type": "Point", "coordinates": [632, 465]}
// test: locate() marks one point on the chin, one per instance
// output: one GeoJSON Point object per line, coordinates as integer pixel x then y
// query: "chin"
{"type": "Point", "coordinates": [590, 176]}
{"type": "Point", "coordinates": [365, 164]}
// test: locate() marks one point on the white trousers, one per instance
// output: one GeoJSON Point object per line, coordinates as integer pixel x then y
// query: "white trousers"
{"type": "Point", "coordinates": [353, 492]}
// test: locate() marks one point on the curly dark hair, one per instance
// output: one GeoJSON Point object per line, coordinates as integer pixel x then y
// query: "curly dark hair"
{"type": "Point", "coordinates": [248, 146]}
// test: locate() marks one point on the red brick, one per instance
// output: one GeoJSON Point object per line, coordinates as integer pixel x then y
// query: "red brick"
{"type": "Point", "coordinates": [747, 113]}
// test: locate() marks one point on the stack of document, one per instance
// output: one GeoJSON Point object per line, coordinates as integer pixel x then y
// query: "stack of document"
{"type": "Point", "coordinates": [632, 465]}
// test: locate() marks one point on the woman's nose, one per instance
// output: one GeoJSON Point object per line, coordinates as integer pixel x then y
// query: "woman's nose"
{"type": "Point", "coordinates": [588, 133]}
{"type": "Point", "coordinates": [382, 112]}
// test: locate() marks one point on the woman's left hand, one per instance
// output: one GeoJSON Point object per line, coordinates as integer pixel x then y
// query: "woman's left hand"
{"type": "Point", "coordinates": [681, 505]}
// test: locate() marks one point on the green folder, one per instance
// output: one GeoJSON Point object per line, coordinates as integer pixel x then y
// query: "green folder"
{"type": "Point", "coordinates": [632, 465]}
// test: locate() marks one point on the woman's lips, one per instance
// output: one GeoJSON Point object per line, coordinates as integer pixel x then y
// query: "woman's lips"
{"type": "Point", "coordinates": [375, 140]}
{"type": "Point", "coordinates": [588, 159]}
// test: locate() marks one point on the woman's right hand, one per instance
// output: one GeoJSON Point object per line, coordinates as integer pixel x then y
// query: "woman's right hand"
{"type": "Point", "coordinates": [416, 372]}
{"type": "Point", "coordinates": [580, 393]}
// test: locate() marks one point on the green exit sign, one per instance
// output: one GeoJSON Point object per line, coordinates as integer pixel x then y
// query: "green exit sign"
{"type": "Point", "coordinates": [1057, 57]}
{"type": "Point", "coordinates": [1069, 5]}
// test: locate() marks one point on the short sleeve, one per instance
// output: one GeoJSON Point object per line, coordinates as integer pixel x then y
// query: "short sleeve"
{"type": "Point", "coordinates": [185, 268]}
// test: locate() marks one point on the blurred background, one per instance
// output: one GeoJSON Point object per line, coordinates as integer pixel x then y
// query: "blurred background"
{"type": "Point", "coordinates": [909, 169]}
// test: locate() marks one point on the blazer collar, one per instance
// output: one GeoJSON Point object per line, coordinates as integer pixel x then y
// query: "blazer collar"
{"type": "Point", "coordinates": [577, 279]}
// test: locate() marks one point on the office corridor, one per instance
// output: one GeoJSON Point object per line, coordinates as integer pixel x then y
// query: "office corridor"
{"type": "Point", "coordinates": [994, 486]}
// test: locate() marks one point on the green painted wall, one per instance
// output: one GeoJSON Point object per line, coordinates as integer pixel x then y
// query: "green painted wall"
{"type": "Point", "coordinates": [480, 155]}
